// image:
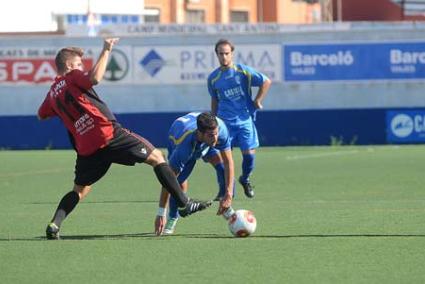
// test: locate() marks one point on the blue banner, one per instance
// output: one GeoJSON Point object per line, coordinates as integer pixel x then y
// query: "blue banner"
{"type": "Point", "coordinates": [364, 61]}
{"type": "Point", "coordinates": [406, 126]}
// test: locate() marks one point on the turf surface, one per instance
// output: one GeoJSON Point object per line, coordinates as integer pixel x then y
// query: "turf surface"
{"type": "Point", "coordinates": [325, 215]}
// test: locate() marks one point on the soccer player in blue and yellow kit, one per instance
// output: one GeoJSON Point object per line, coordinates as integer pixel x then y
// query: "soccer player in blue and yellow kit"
{"type": "Point", "coordinates": [231, 100]}
{"type": "Point", "coordinates": [191, 137]}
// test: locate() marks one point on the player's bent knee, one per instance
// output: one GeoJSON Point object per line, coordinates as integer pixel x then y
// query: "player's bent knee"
{"type": "Point", "coordinates": [82, 190]}
{"type": "Point", "coordinates": [155, 158]}
{"type": "Point", "coordinates": [214, 160]}
{"type": "Point", "coordinates": [249, 151]}
{"type": "Point", "coordinates": [185, 186]}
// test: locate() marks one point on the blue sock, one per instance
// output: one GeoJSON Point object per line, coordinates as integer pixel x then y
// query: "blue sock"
{"type": "Point", "coordinates": [172, 207]}
{"type": "Point", "coordinates": [248, 163]}
{"type": "Point", "coordinates": [219, 169]}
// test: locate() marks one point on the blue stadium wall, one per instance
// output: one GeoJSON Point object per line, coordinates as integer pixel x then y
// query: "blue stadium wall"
{"type": "Point", "coordinates": [276, 128]}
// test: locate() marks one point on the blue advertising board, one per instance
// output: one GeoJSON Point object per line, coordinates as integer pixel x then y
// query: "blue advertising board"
{"type": "Point", "coordinates": [362, 61]}
{"type": "Point", "coordinates": [405, 126]}
{"type": "Point", "coordinates": [275, 128]}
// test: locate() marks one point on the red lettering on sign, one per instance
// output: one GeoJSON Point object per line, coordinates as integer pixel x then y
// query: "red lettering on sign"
{"type": "Point", "coordinates": [31, 70]}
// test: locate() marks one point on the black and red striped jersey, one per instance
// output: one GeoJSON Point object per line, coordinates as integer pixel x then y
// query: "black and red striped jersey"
{"type": "Point", "coordinates": [87, 118]}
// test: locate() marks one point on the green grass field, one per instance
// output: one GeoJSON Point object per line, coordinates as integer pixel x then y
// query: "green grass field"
{"type": "Point", "coordinates": [325, 215]}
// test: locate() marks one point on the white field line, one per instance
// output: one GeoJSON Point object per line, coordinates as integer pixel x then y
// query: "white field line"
{"type": "Point", "coordinates": [321, 155]}
{"type": "Point", "coordinates": [336, 153]}
{"type": "Point", "coordinates": [32, 173]}
{"type": "Point", "coordinates": [336, 202]}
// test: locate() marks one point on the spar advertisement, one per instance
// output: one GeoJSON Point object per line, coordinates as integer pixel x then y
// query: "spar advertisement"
{"type": "Point", "coordinates": [406, 126]}
{"type": "Point", "coordinates": [354, 61]}
{"type": "Point", "coordinates": [30, 65]}
{"type": "Point", "coordinates": [19, 66]}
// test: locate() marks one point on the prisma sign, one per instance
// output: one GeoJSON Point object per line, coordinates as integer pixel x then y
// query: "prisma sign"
{"type": "Point", "coordinates": [193, 64]}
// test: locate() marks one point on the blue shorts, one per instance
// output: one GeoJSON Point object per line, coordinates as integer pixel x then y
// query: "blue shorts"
{"type": "Point", "coordinates": [243, 134]}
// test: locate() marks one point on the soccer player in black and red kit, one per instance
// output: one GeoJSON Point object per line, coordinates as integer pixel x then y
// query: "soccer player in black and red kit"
{"type": "Point", "coordinates": [97, 137]}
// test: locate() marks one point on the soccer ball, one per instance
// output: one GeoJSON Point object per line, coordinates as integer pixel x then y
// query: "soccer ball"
{"type": "Point", "coordinates": [242, 223]}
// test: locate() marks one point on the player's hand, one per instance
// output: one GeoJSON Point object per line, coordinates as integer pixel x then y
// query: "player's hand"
{"type": "Point", "coordinates": [160, 224]}
{"type": "Point", "coordinates": [258, 104]}
{"type": "Point", "coordinates": [109, 42]}
{"type": "Point", "coordinates": [225, 203]}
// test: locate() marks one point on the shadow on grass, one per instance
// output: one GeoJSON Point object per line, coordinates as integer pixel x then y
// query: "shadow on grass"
{"type": "Point", "coordinates": [96, 202]}
{"type": "Point", "coordinates": [208, 236]}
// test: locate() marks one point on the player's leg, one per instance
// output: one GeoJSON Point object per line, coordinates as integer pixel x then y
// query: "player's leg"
{"type": "Point", "coordinates": [166, 177]}
{"type": "Point", "coordinates": [168, 180]}
{"type": "Point", "coordinates": [173, 214]}
{"type": "Point", "coordinates": [182, 180]}
{"type": "Point", "coordinates": [217, 162]}
{"type": "Point", "coordinates": [248, 164]}
{"type": "Point", "coordinates": [248, 141]}
{"type": "Point", "coordinates": [129, 148]}
{"type": "Point", "coordinates": [69, 201]}
{"type": "Point", "coordinates": [140, 150]}
{"type": "Point", "coordinates": [88, 170]}
{"type": "Point", "coordinates": [66, 205]}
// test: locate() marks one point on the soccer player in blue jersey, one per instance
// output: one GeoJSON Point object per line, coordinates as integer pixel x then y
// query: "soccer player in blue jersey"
{"type": "Point", "coordinates": [230, 88]}
{"type": "Point", "coordinates": [191, 137]}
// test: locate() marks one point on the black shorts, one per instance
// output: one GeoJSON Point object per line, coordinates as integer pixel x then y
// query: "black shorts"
{"type": "Point", "coordinates": [126, 148]}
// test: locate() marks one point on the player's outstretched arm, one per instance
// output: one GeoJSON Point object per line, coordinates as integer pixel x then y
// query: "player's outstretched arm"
{"type": "Point", "coordinates": [229, 172]}
{"type": "Point", "coordinates": [161, 216]}
{"type": "Point", "coordinates": [99, 68]}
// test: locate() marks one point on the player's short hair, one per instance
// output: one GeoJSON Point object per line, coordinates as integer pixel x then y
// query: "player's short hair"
{"type": "Point", "coordinates": [64, 54]}
{"type": "Point", "coordinates": [224, 41]}
{"type": "Point", "coordinates": [206, 121]}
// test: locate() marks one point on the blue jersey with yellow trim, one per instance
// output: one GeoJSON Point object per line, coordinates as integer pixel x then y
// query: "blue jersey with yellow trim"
{"type": "Point", "coordinates": [183, 145]}
{"type": "Point", "coordinates": [232, 89]}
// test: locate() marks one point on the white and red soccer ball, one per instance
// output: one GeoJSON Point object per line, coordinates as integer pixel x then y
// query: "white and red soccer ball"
{"type": "Point", "coordinates": [242, 223]}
